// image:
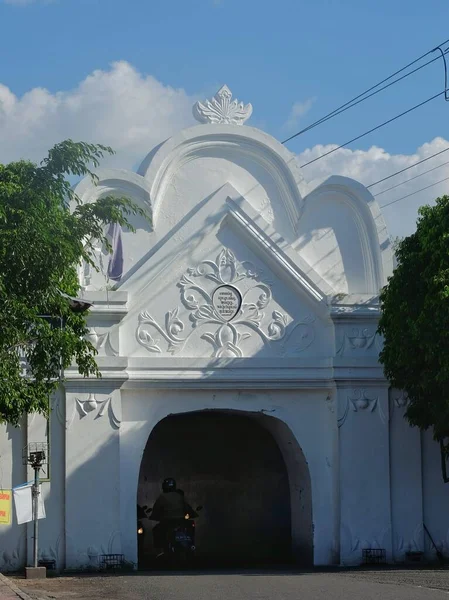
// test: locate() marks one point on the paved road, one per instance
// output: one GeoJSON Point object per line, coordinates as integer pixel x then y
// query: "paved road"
{"type": "Point", "coordinates": [6, 593]}
{"type": "Point", "coordinates": [246, 585]}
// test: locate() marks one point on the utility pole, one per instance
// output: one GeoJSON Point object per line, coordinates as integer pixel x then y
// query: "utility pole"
{"type": "Point", "coordinates": [36, 460]}
{"type": "Point", "coordinates": [35, 456]}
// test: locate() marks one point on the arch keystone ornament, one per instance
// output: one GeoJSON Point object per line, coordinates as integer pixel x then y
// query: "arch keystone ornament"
{"type": "Point", "coordinates": [221, 110]}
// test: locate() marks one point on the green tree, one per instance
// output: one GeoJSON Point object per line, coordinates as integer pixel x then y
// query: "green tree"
{"type": "Point", "coordinates": [42, 242]}
{"type": "Point", "coordinates": [415, 323]}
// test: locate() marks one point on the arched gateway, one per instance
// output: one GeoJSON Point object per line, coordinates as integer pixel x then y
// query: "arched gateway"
{"type": "Point", "coordinates": [250, 474]}
{"type": "Point", "coordinates": [247, 310]}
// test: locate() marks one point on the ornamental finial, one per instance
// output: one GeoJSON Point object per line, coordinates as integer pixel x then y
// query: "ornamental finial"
{"type": "Point", "coordinates": [220, 109]}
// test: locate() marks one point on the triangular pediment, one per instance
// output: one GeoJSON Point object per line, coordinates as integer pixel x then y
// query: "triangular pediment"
{"type": "Point", "coordinates": [219, 287]}
{"type": "Point", "coordinates": [228, 208]}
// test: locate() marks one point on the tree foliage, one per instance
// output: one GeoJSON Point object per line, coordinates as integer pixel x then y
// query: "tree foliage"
{"type": "Point", "coordinates": [415, 321]}
{"type": "Point", "coordinates": [42, 242]}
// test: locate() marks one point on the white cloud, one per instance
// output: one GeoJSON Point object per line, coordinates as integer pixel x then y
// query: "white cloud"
{"type": "Point", "coordinates": [119, 107]}
{"type": "Point", "coordinates": [375, 164]}
{"type": "Point", "coordinates": [299, 109]}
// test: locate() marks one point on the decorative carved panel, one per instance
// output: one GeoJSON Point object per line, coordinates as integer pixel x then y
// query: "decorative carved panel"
{"type": "Point", "coordinates": [225, 302]}
{"type": "Point", "coordinates": [222, 110]}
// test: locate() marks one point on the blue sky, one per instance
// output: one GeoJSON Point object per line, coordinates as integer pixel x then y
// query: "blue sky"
{"type": "Point", "coordinates": [315, 53]}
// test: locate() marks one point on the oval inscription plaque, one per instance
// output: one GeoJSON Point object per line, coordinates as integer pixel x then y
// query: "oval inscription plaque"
{"type": "Point", "coordinates": [227, 301]}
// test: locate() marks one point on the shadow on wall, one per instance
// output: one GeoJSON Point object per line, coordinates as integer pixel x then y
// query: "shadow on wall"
{"type": "Point", "coordinates": [230, 463]}
{"type": "Point", "coordinates": [339, 239]}
{"type": "Point", "coordinates": [13, 537]}
{"type": "Point", "coordinates": [94, 536]}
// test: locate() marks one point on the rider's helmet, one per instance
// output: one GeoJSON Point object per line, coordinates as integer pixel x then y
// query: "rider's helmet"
{"type": "Point", "coordinates": [169, 485]}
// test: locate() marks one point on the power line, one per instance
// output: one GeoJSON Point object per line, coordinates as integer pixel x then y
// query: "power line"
{"type": "Point", "coordinates": [407, 168]}
{"type": "Point", "coordinates": [411, 179]}
{"type": "Point", "coordinates": [352, 103]}
{"type": "Point", "coordinates": [413, 193]}
{"type": "Point", "coordinates": [374, 129]}
{"type": "Point", "coordinates": [443, 52]}
{"type": "Point", "coordinates": [360, 98]}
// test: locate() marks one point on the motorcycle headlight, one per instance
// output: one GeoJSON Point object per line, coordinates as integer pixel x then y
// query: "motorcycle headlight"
{"type": "Point", "coordinates": [187, 516]}
{"type": "Point", "coordinates": [140, 531]}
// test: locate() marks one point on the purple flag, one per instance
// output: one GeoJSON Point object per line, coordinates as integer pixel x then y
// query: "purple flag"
{"type": "Point", "coordinates": [115, 267]}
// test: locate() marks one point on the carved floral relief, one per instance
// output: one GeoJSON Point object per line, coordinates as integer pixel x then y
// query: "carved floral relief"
{"type": "Point", "coordinates": [360, 401]}
{"type": "Point", "coordinates": [359, 339]}
{"type": "Point", "coordinates": [221, 109]}
{"type": "Point", "coordinates": [220, 313]}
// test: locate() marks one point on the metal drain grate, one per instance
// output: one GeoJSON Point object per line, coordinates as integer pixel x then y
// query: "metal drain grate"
{"type": "Point", "coordinates": [374, 556]}
{"type": "Point", "coordinates": [111, 561]}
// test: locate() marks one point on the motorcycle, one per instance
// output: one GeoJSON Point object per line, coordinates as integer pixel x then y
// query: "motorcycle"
{"type": "Point", "coordinates": [179, 544]}
{"type": "Point", "coordinates": [180, 539]}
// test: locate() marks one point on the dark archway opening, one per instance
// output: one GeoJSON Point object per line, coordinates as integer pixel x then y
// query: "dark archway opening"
{"type": "Point", "coordinates": [230, 464]}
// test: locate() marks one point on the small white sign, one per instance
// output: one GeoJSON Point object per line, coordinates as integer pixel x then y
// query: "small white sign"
{"type": "Point", "coordinates": [227, 301]}
{"type": "Point", "coordinates": [23, 500]}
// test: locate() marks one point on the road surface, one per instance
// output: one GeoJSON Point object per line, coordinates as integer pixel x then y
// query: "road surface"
{"type": "Point", "coordinates": [247, 585]}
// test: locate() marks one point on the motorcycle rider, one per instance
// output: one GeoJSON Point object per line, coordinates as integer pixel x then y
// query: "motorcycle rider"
{"type": "Point", "coordinates": [170, 507]}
